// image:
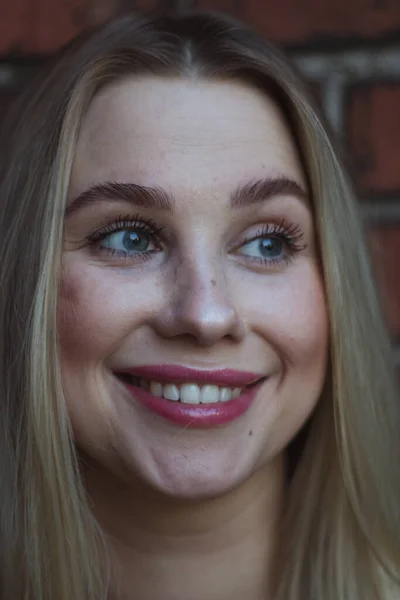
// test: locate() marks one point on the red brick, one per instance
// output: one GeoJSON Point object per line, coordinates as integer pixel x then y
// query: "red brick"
{"type": "Point", "coordinates": [42, 26]}
{"type": "Point", "coordinates": [385, 247]}
{"type": "Point", "coordinates": [293, 21]}
{"type": "Point", "coordinates": [373, 127]}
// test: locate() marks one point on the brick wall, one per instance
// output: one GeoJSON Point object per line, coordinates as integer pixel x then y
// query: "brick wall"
{"type": "Point", "coordinates": [348, 49]}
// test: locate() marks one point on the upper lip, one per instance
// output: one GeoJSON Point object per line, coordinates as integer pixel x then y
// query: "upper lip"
{"type": "Point", "coordinates": [183, 374]}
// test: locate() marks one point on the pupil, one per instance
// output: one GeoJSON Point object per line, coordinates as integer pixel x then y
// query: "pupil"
{"type": "Point", "coordinates": [138, 242]}
{"type": "Point", "coordinates": [271, 247]}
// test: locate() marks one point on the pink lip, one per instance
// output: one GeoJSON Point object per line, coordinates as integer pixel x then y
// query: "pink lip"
{"type": "Point", "coordinates": [199, 416]}
{"type": "Point", "coordinates": [195, 415]}
{"type": "Point", "coordinates": [181, 374]}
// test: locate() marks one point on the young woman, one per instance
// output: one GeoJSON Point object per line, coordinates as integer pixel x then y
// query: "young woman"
{"type": "Point", "coordinates": [197, 398]}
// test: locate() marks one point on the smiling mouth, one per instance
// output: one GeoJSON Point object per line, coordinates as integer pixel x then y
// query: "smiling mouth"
{"type": "Point", "coordinates": [188, 392]}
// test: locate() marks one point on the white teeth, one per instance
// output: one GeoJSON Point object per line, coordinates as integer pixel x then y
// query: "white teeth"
{"type": "Point", "coordinates": [171, 392]}
{"type": "Point", "coordinates": [191, 393]}
{"type": "Point", "coordinates": [225, 395]}
{"type": "Point", "coordinates": [155, 388]}
{"type": "Point", "coordinates": [209, 394]}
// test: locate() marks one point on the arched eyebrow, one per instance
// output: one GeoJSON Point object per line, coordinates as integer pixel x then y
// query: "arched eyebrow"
{"type": "Point", "coordinates": [260, 190]}
{"type": "Point", "coordinates": [254, 192]}
{"type": "Point", "coordinates": [110, 191]}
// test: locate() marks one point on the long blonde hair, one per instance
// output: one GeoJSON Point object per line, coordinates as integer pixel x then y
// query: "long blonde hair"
{"type": "Point", "coordinates": [341, 533]}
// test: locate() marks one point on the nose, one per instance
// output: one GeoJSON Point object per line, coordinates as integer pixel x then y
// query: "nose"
{"type": "Point", "coordinates": [199, 306]}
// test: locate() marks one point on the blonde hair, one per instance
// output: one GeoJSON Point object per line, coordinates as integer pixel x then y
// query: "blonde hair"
{"type": "Point", "coordinates": [341, 533]}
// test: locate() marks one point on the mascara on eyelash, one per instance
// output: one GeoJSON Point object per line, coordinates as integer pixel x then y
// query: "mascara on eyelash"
{"type": "Point", "coordinates": [127, 222]}
{"type": "Point", "coordinates": [291, 234]}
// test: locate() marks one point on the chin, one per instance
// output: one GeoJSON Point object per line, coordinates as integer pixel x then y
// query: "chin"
{"type": "Point", "coordinates": [196, 488]}
{"type": "Point", "coordinates": [186, 475]}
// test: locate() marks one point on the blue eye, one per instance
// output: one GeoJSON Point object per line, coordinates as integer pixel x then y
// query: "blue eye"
{"type": "Point", "coordinates": [268, 247]}
{"type": "Point", "coordinates": [135, 241]}
{"type": "Point", "coordinates": [273, 245]}
{"type": "Point", "coordinates": [128, 238]}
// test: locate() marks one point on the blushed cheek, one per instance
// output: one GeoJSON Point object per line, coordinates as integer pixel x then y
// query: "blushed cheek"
{"type": "Point", "coordinates": [298, 331]}
{"type": "Point", "coordinates": [305, 349]}
{"type": "Point", "coordinates": [84, 341]}
{"type": "Point", "coordinates": [74, 327]}
{"type": "Point", "coordinates": [292, 318]}
{"type": "Point", "coordinates": [290, 313]}
{"type": "Point", "coordinates": [306, 334]}
{"type": "Point", "coordinates": [308, 320]}
{"type": "Point", "coordinates": [85, 323]}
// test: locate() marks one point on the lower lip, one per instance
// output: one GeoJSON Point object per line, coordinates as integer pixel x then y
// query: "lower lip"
{"type": "Point", "coordinates": [198, 416]}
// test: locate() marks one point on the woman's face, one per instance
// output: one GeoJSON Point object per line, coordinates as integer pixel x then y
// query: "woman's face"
{"type": "Point", "coordinates": [190, 265]}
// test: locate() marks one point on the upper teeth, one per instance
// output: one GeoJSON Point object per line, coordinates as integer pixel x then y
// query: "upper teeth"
{"type": "Point", "coordinates": [191, 393]}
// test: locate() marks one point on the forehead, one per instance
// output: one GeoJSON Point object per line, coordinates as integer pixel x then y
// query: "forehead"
{"type": "Point", "coordinates": [176, 132]}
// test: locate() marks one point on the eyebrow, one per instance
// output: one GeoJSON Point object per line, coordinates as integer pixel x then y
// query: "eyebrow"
{"type": "Point", "coordinates": [260, 190]}
{"type": "Point", "coordinates": [137, 195]}
{"type": "Point", "coordinates": [254, 192]}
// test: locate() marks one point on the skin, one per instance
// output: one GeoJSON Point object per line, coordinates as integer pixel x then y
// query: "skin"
{"type": "Point", "coordinates": [179, 503]}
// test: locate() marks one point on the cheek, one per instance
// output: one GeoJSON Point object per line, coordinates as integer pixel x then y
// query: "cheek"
{"type": "Point", "coordinates": [91, 322]}
{"type": "Point", "coordinates": [84, 331]}
{"type": "Point", "coordinates": [84, 324]}
{"type": "Point", "coordinates": [291, 316]}
{"type": "Point", "coordinates": [96, 310]}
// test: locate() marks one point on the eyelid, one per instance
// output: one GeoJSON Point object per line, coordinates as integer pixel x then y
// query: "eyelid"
{"type": "Point", "coordinates": [126, 223]}
{"type": "Point", "coordinates": [292, 233]}
{"type": "Point", "coordinates": [129, 222]}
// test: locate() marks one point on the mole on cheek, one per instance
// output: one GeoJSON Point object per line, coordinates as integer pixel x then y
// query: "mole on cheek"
{"type": "Point", "coordinates": [213, 282]}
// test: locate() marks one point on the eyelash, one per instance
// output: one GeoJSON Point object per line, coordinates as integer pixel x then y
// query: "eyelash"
{"type": "Point", "coordinates": [131, 223]}
{"type": "Point", "coordinates": [290, 234]}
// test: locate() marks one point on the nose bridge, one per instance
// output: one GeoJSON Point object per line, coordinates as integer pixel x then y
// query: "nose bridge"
{"type": "Point", "coordinates": [201, 305]}
{"type": "Point", "coordinates": [202, 290]}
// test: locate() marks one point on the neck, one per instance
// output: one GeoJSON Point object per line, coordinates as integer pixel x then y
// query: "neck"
{"type": "Point", "coordinates": [184, 550]}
